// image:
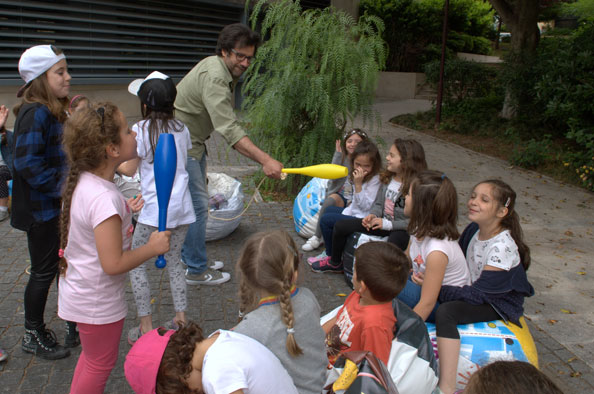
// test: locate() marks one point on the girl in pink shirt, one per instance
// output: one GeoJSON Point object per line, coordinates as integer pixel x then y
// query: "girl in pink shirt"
{"type": "Point", "coordinates": [96, 231]}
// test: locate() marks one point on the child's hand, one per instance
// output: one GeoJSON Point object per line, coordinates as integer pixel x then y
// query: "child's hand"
{"type": "Point", "coordinates": [366, 222]}
{"type": "Point", "coordinates": [3, 115]}
{"type": "Point", "coordinates": [358, 175]}
{"type": "Point", "coordinates": [159, 242]}
{"type": "Point", "coordinates": [418, 278]}
{"type": "Point", "coordinates": [338, 147]}
{"type": "Point", "coordinates": [376, 224]}
{"type": "Point", "coordinates": [136, 203]}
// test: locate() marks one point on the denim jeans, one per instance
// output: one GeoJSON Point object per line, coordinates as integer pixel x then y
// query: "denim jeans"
{"type": "Point", "coordinates": [194, 249]}
{"type": "Point", "coordinates": [411, 295]}
{"type": "Point", "coordinates": [327, 222]}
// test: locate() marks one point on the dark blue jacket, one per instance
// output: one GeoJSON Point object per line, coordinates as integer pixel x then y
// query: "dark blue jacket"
{"type": "Point", "coordinates": [39, 166]}
{"type": "Point", "coordinates": [503, 290]}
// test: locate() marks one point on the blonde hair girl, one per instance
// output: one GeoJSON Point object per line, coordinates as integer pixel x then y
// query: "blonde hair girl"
{"type": "Point", "coordinates": [95, 237]}
{"type": "Point", "coordinates": [268, 266]}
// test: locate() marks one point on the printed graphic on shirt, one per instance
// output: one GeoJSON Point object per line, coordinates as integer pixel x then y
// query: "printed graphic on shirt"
{"type": "Point", "coordinates": [393, 199]}
{"type": "Point", "coordinates": [418, 264]}
{"type": "Point", "coordinates": [346, 325]}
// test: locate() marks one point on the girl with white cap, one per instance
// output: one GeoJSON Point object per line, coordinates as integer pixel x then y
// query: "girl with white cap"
{"type": "Point", "coordinates": [157, 94]}
{"type": "Point", "coordinates": [39, 170]}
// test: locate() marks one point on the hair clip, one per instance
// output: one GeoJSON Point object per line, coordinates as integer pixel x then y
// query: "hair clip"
{"type": "Point", "coordinates": [443, 176]}
{"type": "Point", "coordinates": [241, 314]}
{"type": "Point", "coordinates": [507, 202]}
{"type": "Point", "coordinates": [61, 253]}
{"type": "Point", "coordinates": [291, 330]}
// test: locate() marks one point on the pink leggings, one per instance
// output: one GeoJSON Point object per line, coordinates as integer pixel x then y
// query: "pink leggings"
{"type": "Point", "coordinates": [100, 344]}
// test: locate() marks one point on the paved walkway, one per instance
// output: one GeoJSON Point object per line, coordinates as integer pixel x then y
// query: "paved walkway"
{"type": "Point", "coordinates": [557, 220]}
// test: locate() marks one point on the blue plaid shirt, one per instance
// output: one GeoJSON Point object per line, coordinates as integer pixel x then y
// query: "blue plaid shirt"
{"type": "Point", "coordinates": [40, 165]}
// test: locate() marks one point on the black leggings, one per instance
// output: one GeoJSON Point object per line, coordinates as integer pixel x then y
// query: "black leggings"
{"type": "Point", "coordinates": [451, 313]}
{"type": "Point", "coordinates": [43, 240]}
{"type": "Point", "coordinates": [344, 228]}
{"type": "Point", "coordinates": [4, 177]}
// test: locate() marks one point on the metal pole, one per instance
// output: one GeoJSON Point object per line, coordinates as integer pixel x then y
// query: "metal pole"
{"type": "Point", "coordinates": [444, 38]}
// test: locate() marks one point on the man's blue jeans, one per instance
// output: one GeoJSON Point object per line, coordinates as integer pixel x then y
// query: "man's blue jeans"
{"type": "Point", "coordinates": [194, 249]}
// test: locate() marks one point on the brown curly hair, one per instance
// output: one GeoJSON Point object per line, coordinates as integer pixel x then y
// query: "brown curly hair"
{"type": "Point", "coordinates": [412, 158]}
{"type": "Point", "coordinates": [87, 133]}
{"type": "Point", "coordinates": [268, 262]}
{"type": "Point", "coordinates": [176, 364]}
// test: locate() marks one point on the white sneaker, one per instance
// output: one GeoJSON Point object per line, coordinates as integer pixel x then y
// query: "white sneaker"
{"type": "Point", "coordinates": [209, 277]}
{"type": "Point", "coordinates": [312, 244]}
{"type": "Point", "coordinates": [215, 265]}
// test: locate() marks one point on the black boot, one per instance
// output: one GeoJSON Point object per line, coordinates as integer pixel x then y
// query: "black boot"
{"type": "Point", "coordinates": [42, 342]}
{"type": "Point", "coordinates": [72, 339]}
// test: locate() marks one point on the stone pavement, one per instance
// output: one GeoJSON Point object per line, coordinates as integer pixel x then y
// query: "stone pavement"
{"type": "Point", "coordinates": [557, 220]}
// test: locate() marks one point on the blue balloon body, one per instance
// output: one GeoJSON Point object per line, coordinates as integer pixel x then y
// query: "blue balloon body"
{"type": "Point", "coordinates": [164, 165]}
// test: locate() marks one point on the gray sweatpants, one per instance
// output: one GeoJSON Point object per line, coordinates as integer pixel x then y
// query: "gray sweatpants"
{"type": "Point", "coordinates": [177, 278]}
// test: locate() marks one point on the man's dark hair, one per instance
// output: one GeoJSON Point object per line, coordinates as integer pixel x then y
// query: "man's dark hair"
{"type": "Point", "coordinates": [236, 35]}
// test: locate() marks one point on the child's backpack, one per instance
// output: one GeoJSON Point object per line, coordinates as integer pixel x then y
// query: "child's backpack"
{"type": "Point", "coordinates": [358, 372]}
{"type": "Point", "coordinates": [348, 255]}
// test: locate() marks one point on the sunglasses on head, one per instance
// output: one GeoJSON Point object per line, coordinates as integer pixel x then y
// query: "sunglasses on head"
{"type": "Point", "coordinates": [360, 133]}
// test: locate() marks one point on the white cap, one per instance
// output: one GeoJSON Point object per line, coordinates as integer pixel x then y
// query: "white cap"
{"type": "Point", "coordinates": [35, 61]}
{"type": "Point", "coordinates": [135, 85]}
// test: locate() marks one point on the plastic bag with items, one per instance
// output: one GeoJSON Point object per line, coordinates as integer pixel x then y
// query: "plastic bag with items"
{"type": "Point", "coordinates": [225, 202]}
{"type": "Point", "coordinates": [306, 208]}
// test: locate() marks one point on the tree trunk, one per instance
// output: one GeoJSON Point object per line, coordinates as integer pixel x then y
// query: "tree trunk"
{"type": "Point", "coordinates": [521, 17]}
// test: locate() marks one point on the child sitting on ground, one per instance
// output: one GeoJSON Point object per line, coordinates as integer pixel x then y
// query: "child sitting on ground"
{"type": "Point", "coordinates": [510, 377]}
{"type": "Point", "coordinates": [282, 317]}
{"type": "Point", "coordinates": [169, 362]}
{"type": "Point", "coordinates": [366, 320]}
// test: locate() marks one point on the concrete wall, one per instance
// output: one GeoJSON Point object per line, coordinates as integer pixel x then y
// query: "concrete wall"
{"type": "Point", "coordinates": [399, 86]}
{"type": "Point", "coordinates": [349, 6]}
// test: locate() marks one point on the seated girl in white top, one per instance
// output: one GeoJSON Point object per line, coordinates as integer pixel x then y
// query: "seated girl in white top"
{"type": "Point", "coordinates": [432, 205]}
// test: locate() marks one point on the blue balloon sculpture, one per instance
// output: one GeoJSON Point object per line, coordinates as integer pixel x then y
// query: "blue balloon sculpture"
{"type": "Point", "coordinates": [165, 165]}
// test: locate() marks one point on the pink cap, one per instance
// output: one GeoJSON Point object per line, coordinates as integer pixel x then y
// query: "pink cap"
{"type": "Point", "coordinates": [143, 361]}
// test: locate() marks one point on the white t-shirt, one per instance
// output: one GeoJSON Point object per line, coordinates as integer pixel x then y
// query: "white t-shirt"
{"type": "Point", "coordinates": [456, 273]}
{"type": "Point", "coordinates": [362, 201]}
{"type": "Point", "coordinates": [86, 293]}
{"type": "Point", "coordinates": [500, 251]}
{"type": "Point", "coordinates": [237, 362]}
{"type": "Point", "coordinates": [180, 210]}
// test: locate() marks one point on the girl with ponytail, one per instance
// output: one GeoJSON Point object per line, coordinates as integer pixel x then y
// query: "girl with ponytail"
{"type": "Point", "coordinates": [497, 259]}
{"type": "Point", "coordinates": [268, 266]}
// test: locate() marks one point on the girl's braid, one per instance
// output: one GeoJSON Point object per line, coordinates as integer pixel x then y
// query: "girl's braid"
{"type": "Point", "coordinates": [287, 310]}
{"type": "Point", "coordinates": [69, 186]}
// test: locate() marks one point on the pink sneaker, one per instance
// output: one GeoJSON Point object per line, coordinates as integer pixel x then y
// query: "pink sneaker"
{"type": "Point", "coordinates": [311, 260]}
{"type": "Point", "coordinates": [325, 265]}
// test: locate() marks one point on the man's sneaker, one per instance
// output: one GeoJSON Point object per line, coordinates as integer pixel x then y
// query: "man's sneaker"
{"type": "Point", "coordinates": [215, 265]}
{"type": "Point", "coordinates": [42, 342]}
{"type": "Point", "coordinates": [209, 277]}
{"type": "Point", "coordinates": [72, 338]}
{"type": "Point", "coordinates": [311, 260]}
{"type": "Point", "coordinates": [312, 244]}
{"type": "Point", "coordinates": [133, 334]}
{"type": "Point", "coordinates": [325, 265]}
{"type": "Point", "coordinates": [3, 354]}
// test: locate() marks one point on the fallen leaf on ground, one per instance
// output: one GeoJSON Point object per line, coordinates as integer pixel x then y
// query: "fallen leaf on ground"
{"type": "Point", "coordinates": [553, 321]}
{"type": "Point", "coordinates": [572, 359]}
{"type": "Point", "coordinates": [341, 295]}
{"type": "Point", "coordinates": [581, 273]}
{"type": "Point", "coordinates": [569, 233]}
{"type": "Point", "coordinates": [567, 311]}
{"type": "Point", "coordinates": [575, 374]}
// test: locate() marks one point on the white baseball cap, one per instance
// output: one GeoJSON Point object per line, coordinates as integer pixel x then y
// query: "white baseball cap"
{"type": "Point", "coordinates": [134, 86]}
{"type": "Point", "coordinates": [157, 91]}
{"type": "Point", "coordinates": [35, 61]}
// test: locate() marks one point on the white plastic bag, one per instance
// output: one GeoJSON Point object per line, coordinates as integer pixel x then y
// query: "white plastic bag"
{"type": "Point", "coordinates": [306, 208]}
{"type": "Point", "coordinates": [219, 183]}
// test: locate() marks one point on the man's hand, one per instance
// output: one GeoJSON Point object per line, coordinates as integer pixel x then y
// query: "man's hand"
{"type": "Point", "coordinates": [272, 168]}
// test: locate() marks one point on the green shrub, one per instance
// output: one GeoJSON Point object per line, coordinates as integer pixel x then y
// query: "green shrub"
{"type": "Point", "coordinates": [533, 153]}
{"type": "Point", "coordinates": [316, 71]}
{"type": "Point", "coordinates": [414, 27]}
{"type": "Point", "coordinates": [462, 79]}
